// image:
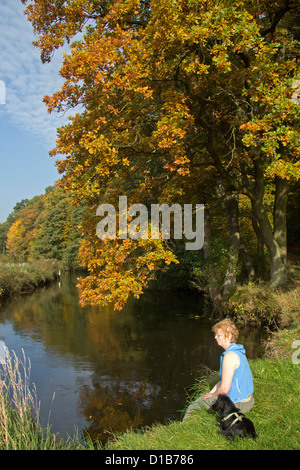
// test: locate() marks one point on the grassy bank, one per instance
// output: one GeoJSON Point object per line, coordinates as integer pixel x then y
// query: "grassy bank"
{"type": "Point", "coordinates": [258, 303]}
{"type": "Point", "coordinates": [275, 415]}
{"type": "Point", "coordinates": [18, 278]}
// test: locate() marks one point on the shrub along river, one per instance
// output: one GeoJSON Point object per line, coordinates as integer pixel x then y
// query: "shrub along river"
{"type": "Point", "coordinates": [107, 371]}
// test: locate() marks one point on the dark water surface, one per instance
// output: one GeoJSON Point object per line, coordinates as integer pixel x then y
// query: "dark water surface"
{"type": "Point", "coordinates": [108, 370]}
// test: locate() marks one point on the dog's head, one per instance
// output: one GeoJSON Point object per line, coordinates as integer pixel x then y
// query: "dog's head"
{"type": "Point", "coordinates": [223, 406]}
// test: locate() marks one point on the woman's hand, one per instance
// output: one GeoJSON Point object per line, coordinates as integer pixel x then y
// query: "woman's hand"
{"type": "Point", "coordinates": [212, 392]}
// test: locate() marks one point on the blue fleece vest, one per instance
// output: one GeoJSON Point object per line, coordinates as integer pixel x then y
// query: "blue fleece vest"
{"type": "Point", "coordinates": [242, 381]}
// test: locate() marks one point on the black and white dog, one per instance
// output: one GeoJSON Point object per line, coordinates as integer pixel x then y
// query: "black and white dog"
{"type": "Point", "coordinates": [233, 422]}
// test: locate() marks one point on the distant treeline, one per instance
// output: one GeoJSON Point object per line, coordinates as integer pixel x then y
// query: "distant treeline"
{"type": "Point", "coordinates": [44, 227]}
{"type": "Point", "coordinates": [47, 227]}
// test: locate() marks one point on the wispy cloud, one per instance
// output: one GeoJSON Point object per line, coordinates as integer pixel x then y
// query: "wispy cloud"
{"type": "Point", "coordinates": [26, 79]}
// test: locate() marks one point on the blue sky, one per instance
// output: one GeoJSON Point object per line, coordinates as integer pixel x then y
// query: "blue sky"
{"type": "Point", "coordinates": [27, 131]}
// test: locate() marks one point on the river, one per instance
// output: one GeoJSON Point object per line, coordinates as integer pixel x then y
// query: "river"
{"type": "Point", "coordinates": [106, 371]}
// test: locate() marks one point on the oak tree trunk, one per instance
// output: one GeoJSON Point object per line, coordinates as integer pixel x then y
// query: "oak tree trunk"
{"type": "Point", "coordinates": [275, 241]}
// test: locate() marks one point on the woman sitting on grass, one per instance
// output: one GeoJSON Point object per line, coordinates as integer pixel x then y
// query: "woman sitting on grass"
{"type": "Point", "coordinates": [236, 377]}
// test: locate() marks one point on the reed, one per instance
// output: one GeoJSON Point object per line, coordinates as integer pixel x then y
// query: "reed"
{"type": "Point", "coordinates": [19, 409]}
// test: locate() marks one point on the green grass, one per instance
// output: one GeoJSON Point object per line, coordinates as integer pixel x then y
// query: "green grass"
{"type": "Point", "coordinates": [18, 278]}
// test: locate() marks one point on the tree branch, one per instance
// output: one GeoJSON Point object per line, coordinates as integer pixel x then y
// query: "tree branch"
{"type": "Point", "coordinates": [278, 17]}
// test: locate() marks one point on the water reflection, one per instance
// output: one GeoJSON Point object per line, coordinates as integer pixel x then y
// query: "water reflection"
{"type": "Point", "coordinates": [112, 370]}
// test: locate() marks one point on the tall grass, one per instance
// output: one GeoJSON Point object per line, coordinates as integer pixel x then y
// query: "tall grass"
{"type": "Point", "coordinates": [20, 427]}
{"type": "Point", "coordinates": [17, 278]}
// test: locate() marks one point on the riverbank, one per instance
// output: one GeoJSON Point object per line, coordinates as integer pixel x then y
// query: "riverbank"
{"type": "Point", "coordinates": [275, 414]}
{"type": "Point", "coordinates": [20, 278]}
{"type": "Point", "coordinates": [258, 303]}
{"type": "Point", "coordinates": [276, 418]}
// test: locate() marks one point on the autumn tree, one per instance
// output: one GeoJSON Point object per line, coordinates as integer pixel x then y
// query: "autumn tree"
{"type": "Point", "coordinates": [58, 235]}
{"type": "Point", "coordinates": [183, 100]}
{"type": "Point", "coordinates": [45, 226]}
{"type": "Point", "coordinates": [5, 226]}
{"type": "Point", "coordinates": [22, 232]}
{"type": "Point", "coordinates": [15, 237]}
